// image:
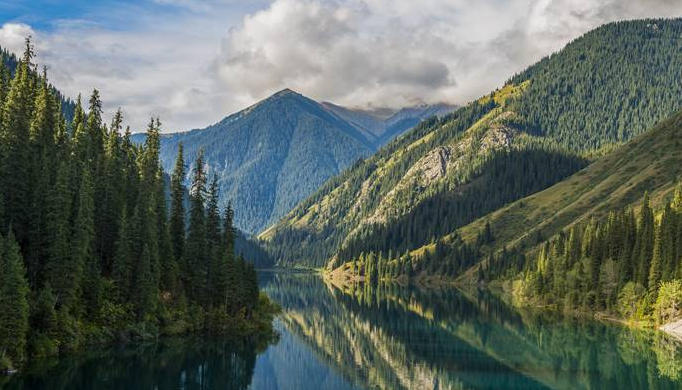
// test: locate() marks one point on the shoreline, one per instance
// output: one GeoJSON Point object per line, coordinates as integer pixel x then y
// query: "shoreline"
{"type": "Point", "coordinates": [341, 277]}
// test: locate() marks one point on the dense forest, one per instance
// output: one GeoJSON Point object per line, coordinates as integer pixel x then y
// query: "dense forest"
{"type": "Point", "coordinates": [600, 91]}
{"type": "Point", "coordinates": [607, 86]}
{"type": "Point", "coordinates": [89, 252]}
{"type": "Point", "coordinates": [628, 264]}
{"type": "Point", "coordinates": [507, 177]}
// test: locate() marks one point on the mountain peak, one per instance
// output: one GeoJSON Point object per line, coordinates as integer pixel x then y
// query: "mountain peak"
{"type": "Point", "coordinates": [285, 92]}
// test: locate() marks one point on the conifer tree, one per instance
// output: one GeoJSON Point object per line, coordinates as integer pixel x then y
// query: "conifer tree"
{"type": "Point", "coordinates": [14, 309]}
{"type": "Point", "coordinates": [112, 200]}
{"type": "Point", "coordinates": [195, 256]}
{"type": "Point", "coordinates": [94, 127]}
{"type": "Point", "coordinates": [177, 217]}
{"type": "Point", "coordinates": [14, 145]}
{"type": "Point", "coordinates": [41, 174]}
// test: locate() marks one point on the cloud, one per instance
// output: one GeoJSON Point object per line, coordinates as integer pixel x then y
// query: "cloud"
{"type": "Point", "coordinates": [192, 62]}
{"type": "Point", "coordinates": [334, 51]}
{"type": "Point", "coordinates": [13, 36]}
{"type": "Point", "coordinates": [393, 53]}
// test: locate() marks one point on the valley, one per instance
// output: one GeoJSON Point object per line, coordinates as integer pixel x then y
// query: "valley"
{"type": "Point", "coordinates": [403, 203]}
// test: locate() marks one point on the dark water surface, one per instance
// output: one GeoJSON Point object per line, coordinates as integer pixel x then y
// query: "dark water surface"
{"type": "Point", "coordinates": [383, 338]}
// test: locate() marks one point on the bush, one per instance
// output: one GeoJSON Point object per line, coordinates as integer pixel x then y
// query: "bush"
{"type": "Point", "coordinates": [667, 307]}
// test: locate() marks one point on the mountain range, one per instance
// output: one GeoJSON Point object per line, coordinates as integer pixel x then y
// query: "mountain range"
{"type": "Point", "coordinates": [545, 124]}
{"type": "Point", "coordinates": [275, 153]}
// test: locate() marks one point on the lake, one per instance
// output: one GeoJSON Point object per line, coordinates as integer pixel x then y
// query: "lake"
{"type": "Point", "coordinates": [390, 337]}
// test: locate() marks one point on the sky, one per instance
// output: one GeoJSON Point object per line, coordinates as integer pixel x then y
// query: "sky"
{"type": "Point", "coordinates": [193, 62]}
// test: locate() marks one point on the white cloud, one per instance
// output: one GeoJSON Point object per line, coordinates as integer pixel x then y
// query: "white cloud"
{"type": "Point", "coordinates": [386, 52]}
{"type": "Point", "coordinates": [213, 57]}
{"type": "Point", "coordinates": [13, 36]}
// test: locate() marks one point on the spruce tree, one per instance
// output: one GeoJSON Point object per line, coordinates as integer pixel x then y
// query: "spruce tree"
{"type": "Point", "coordinates": [41, 175]}
{"type": "Point", "coordinates": [14, 148]}
{"type": "Point", "coordinates": [112, 200]}
{"type": "Point", "coordinates": [195, 257]}
{"type": "Point", "coordinates": [14, 309]}
{"type": "Point", "coordinates": [177, 217]}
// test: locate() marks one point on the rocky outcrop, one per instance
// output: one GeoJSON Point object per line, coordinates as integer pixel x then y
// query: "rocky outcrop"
{"type": "Point", "coordinates": [673, 328]}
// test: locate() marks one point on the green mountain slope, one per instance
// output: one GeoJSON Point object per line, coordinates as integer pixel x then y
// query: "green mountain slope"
{"type": "Point", "coordinates": [651, 162]}
{"type": "Point", "coordinates": [432, 180]}
{"type": "Point", "coordinates": [273, 154]}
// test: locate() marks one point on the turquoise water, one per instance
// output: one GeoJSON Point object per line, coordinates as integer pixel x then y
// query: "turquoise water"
{"type": "Point", "coordinates": [385, 338]}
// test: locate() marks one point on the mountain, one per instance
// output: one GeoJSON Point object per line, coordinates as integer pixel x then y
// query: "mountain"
{"type": "Point", "coordinates": [383, 125]}
{"type": "Point", "coordinates": [650, 163]}
{"type": "Point", "coordinates": [543, 125]}
{"type": "Point", "coordinates": [606, 240]}
{"type": "Point", "coordinates": [273, 154]}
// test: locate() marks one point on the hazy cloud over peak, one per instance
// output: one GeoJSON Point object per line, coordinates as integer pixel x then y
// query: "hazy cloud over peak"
{"type": "Point", "coordinates": [194, 61]}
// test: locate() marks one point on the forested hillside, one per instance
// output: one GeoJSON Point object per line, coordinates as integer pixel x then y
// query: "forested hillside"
{"type": "Point", "coordinates": [607, 239]}
{"type": "Point", "coordinates": [275, 153]}
{"type": "Point", "coordinates": [87, 251]}
{"type": "Point", "coordinates": [422, 185]}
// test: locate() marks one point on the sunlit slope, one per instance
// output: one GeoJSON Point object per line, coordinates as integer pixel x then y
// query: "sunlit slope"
{"type": "Point", "coordinates": [651, 162]}
{"type": "Point", "coordinates": [603, 89]}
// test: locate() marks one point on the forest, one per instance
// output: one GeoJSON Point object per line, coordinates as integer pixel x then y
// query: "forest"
{"type": "Point", "coordinates": [627, 265]}
{"type": "Point", "coordinates": [91, 251]}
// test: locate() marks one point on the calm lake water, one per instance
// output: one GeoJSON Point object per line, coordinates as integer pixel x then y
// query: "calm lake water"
{"type": "Point", "coordinates": [384, 338]}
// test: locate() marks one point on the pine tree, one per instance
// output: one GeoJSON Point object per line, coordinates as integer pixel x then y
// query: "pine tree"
{"type": "Point", "coordinates": [656, 263]}
{"type": "Point", "coordinates": [112, 200]}
{"type": "Point", "coordinates": [195, 256]}
{"type": "Point", "coordinates": [14, 147]}
{"type": "Point", "coordinates": [14, 309]}
{"type": "Point", "coordinates": [41, 175]}
{"type": "Point", "coordinates": [94, 127]}
{"type": "Point", "coordinates": [177, 218]}
{"type": "Point", "coordinates": [216, 278]}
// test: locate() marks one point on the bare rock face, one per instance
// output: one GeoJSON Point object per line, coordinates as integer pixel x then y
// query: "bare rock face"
{"type": "Point", "coordinates": [673, 328]}
{"type": "Point", "coordinates": [434, 165]}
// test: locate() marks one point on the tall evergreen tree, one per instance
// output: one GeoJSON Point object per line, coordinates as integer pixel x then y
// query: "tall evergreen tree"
{"type": "Point", "coordinates": [14, 142]}
{"type": "Point", "coordinates": [41, 175]}
{"type": "Point", "coordinates": [14, 310]}
{"type": "Point", "coordinates": [177, 217]}
{"type": "Point", "coordinates": [195, 256]}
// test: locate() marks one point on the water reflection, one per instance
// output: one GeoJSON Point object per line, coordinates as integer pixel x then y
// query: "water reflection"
{"type": "Point", "coordinates": [394, 337]}
{"type": "Point", "coordinates": [390, 337]}
{"type": "Point", "coordinates": [178, 363]}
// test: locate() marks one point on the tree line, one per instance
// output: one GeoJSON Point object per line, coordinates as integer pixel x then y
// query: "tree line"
{"type": "Point", "coordinates": [628, 264]}
{"type": "Point", "coordinates": [89, 251]}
